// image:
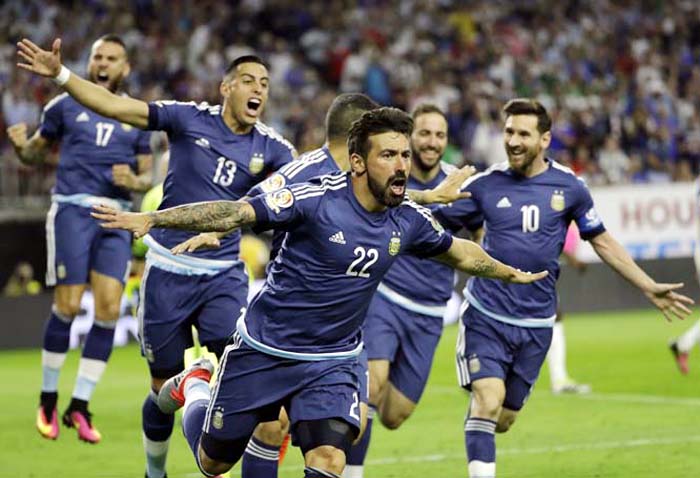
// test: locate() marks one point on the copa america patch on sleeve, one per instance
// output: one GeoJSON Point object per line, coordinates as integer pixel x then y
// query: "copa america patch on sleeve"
{"type": "Point", "coordinates": [278, 200]}
{"type": "Point", "coordinates": [273, 183]}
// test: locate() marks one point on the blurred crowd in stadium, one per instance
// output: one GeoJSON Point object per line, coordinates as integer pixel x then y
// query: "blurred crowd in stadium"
{"type": "Point", "coordinates": [622, 79]}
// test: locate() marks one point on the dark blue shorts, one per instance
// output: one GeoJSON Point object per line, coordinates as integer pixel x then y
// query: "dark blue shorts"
{"type": "Point", "coordinates": [76, 245]}
{"type": "Point", "coordinates": [173, 303]}
{"type": "Point", "coordinates": [405, 338]}
{"type": "Point", "coordinates": [251, 387]}
{"type": "Point", "coordinates": [489, 348]}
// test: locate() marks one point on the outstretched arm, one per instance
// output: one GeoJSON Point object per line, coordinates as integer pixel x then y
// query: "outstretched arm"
{"type": "Point", "coordinates": [449, 190]}
{"type": "Point", "coordinates": [215, 216]}
{"type": "Point", "coordinates": [99, 99]}
{"type": "Point", "coordinates": [661, 295]}
{"type": "Point", "coordinates": [469, 257]}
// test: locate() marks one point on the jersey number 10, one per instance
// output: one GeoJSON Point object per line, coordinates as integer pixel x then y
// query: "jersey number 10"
{"type": "Point", "coordinates": [531, 218]}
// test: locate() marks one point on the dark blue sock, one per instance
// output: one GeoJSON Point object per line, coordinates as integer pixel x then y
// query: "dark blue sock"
{"type": "Point", "coordinates": [260, 460]}
{"type": "Point", "coordinates": [157, 426]}
{"type": "Point", "coordinates": [481, 447]}
{"type": "Point", "coordinates": [192, 422]}
{"type": "Point", "coordinates": [57, 333]}
{"type": "Point", "coordinates": [311, 472]}
{"type": "Point", "coordinates": [357, 453]}
{"type": "Point", "coordinates": [99, 340]}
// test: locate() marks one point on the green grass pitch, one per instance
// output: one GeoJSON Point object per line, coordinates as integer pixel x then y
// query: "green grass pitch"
{"type": "Point", "coordinates": [643, 419]}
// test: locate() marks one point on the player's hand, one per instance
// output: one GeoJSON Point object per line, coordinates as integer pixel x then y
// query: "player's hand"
{"type": "Point", "coordinates": [18, 135]}
{"type": "Point", "coordinates": [137, 222]}
{"type": "Point", "coordinates": [520, 277]}
{"type": "Point", "coordinates": [36, 60]}
{"type": "Point", "coordinates": [205, 240]}
{"type": "Point", "coordinates": [670, 303]}
{"type": "Point", "coordinates": [449, 190]}
{"type": "Point", "coordinates": [123, 176]}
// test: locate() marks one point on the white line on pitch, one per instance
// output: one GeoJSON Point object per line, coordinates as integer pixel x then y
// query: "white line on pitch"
{"type": "Point", "coordinates": [611, 445]}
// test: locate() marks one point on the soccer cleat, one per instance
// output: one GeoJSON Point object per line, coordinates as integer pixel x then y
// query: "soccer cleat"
{"type": "Point", "coordinates": [571, 387]}
{"type": "Point", "coordinates": [47, 428]}
{"type": "Point", "coordinates": [172, 394]}
{"type": "Point", "coordinates": [145, 475]}
{"type": "Point", "coordinates": [681, 358]}
{"type": "Point", "coordinates": [81, 420]}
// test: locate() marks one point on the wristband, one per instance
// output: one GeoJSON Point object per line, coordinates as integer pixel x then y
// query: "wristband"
{"type": "Point", "coordinates": [62, 77]}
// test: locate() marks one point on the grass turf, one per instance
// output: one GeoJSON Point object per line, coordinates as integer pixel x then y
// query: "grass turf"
{"type": "Point", "coordinates": [642, 420]}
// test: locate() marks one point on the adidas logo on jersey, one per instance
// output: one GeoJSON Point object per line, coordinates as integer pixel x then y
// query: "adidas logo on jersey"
{"type": "Point", "coordinates": [82, 118]}
{"type": "Point", "coordinates": [203, 142]}
{"type": "Point", "coordinates": [338, 238]}
{"type": "Point", "coordinates": [504, 202]}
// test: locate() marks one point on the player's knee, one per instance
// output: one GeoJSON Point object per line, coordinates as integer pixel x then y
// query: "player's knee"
{"type": "Point", "coordinates": [486, 406]}
{"type": "Point", "coordinates": [210, 466]}
{"type": "Point", "coordinates": [272, 433]}
{"type": "Point", "coordinates": [394, 418]}
{"type": "Point", "coordinates": [107, 311]}
{"type": "Point", "coordinates": [327, 458]}
{"type": "Point", "coordinates": [67, 307]}
{"type": "Point", "coordinates": [504, 423]}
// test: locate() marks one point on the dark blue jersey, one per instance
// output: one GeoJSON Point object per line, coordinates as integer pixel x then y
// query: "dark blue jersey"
{"type": "Point", "coordinates": [422, 280]}
{"type": "Point", "coordinates": [309, 165]}
{"type": "Point", "coordinates": [525, 220]}
{"type": "Point", "coordinates": [334, 255]}
{"type": "Point", "coordinates": [209, 162]}
{"type": "Point", "coordinates": [90, 145]}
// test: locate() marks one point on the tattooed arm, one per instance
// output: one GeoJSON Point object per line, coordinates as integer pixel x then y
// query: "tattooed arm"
{"type": "Point", "coordinates": [469, 257]}
{"type": "Point", "coordinates": [218, 216]}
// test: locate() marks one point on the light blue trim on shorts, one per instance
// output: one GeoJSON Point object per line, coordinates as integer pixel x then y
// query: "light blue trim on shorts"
{"type": "Point", "coordinates": [534, 323]}
{"type": "Point", "coordinates": [409, 304]}
{"type": "Point", "coordinates": [161, 257]}
{"type": "Point", "coordinates": [88, 200]}
{"type": "Point", "coordinates": [308, 357]}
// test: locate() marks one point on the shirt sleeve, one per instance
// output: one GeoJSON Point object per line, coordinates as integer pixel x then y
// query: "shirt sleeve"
{"type": "Point", "coordinates": [280, 210]}
{"type": "Point", "coordinates": [283, 152]}
{"type": "Point", "coordinates": [427, 238]}
{"type": "Point", "coordinates": [584, 214]}
{"type": "Point", "coordinates": [169, 116]}
{"type": "Point", "coordinates": [464, 213]}
{"type": "Point", "coordinates": [143, 143]}
{"type": "Point", "coordinates": [51, 124]}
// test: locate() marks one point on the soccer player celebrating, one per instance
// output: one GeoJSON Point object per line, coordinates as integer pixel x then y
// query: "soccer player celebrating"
{"type": "Point", "coordinates": [526, 205]}
{"type": "Point", "coordinates": [404, 319]}
{"type": "Point", "coordinates": [298, 342]}
{"type": "Point", "coordinates": [100, 161]}
{"type": "Point", "coordinates": [216, 152]}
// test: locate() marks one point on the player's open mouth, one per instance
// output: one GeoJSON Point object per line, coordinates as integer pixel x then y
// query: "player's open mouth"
{"type": "Point", "coordinates": [102, 77]}
{"type": "Point", "coordinates": [253, 105]}
{"type": "Point", "coordinates": [398, 186]}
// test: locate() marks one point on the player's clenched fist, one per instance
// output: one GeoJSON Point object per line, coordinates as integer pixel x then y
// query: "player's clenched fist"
{"type": "Point", "coordinates": [123, 176]}
{"type": "Point", "coordinates": [18, 135]}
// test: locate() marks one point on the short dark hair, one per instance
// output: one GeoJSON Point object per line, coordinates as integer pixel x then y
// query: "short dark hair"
{"type": "Point", "coordinates": [380, 120]}
{"type": "Point", "coordinates": [113, 38]}
{"type": "Point", "coordinates": [344, 111]}
{"type": "Point", "coordinates": [245, 59]}
{"type": "Point", "coordinates": [427, 108]}
{"type": "Point", "coordinates": [529, 106]}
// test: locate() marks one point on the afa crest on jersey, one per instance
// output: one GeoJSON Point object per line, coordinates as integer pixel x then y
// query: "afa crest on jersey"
{"type": "Point", "coordinates": [217, 419]}
{"type": "Point", "coordinates": [257, 163]}
{"type": "Point", "coordinates": [395, 244]}
{"type": "Point", "coordinates": [127, 127]}
{"type": "Point", "coordinates": [557, 201]}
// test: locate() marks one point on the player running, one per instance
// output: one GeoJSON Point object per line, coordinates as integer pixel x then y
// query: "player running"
{"type": "Point", "coordinates": [100, 161]}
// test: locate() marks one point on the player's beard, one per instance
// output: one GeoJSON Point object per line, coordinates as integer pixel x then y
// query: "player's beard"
{"type": "Point", "coordinates": [383, 193]}
{"type": "Point", "coordinates": [523, 162]}
{"type": "Point", "coordinates": [112, 84]}
{"type": "Point", "coordinates": [426, 165]}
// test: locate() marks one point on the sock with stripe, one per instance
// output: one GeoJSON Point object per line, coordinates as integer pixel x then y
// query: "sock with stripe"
{"type": "Point", "coordinates": [157, 428]}
{"type": "Point", "coordinates": [260, 460]}
{"type": "Point", "coordinates": [358, 452]}
{"type": "Point", "coordinates": [96, 352]}
{"type": "Point", "coordinates": [311, 472]}
{"type": "Point", "coordinates": [481, 447]}
{"type": "Point", "coordinates": [53, 355]}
